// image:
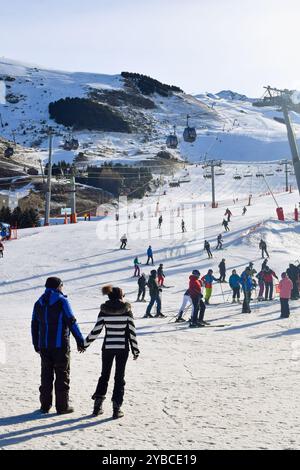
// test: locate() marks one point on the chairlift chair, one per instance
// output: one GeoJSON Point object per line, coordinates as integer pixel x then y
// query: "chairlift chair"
{"type": "Point", "coordinates": [237, 176]}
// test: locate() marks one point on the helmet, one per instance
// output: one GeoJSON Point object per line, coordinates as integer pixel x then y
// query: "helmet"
{"type": "Point", "coordinates": [195, 272]}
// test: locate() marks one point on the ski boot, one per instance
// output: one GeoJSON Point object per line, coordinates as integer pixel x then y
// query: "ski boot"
{"type": "Point", "coordinates": [148, 315]}
{"type": "Point", "coordinates": [117, 412]}
{"type": "Point", "coordinates": [98, 410]}
{"type": "Point", "coordinates": [160, 315]}
{"type": "Point", "coordinates": [205, 323]}
{"type": "Point", "coordinates": [233, 301]}
{"type": "Point", "coordinates": [194, 325]}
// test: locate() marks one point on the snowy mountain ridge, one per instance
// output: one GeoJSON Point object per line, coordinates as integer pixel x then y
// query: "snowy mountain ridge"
{"type": "Point", "coordinates": [228, 126]}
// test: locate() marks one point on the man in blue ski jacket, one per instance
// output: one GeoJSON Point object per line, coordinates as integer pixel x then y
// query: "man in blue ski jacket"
{"type": "Point", "coordinates": [246, 282]}
{"type": "Point", "coordinates": [52, 322]}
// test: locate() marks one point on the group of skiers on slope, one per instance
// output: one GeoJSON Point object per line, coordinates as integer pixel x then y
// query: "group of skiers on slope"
{"type": "Point", "coordinates": [52, 322]}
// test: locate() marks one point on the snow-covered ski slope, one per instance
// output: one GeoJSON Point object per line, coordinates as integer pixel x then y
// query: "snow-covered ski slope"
{"type": "Point", "coordinates": [230, 129]}
{"type": "Point", "coordinates": [231, 387]}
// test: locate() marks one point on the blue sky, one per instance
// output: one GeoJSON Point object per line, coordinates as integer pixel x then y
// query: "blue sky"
{"type": "Point", "coordinates": [200, 45]}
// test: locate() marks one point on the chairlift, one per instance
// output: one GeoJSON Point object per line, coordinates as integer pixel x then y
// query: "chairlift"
{"type": "Point", "coordinates": [259, 174]}
{"type": "Point", "coordinates": [174, 183]}
{"type": "Point", "coordinates": [185, 179]}
{"type": "Point", "coordinates": [70, 143]}
{"type": "Point", "coordinates": [207, 174]}
{"type": "Point", "coordinates": [270, 172]}
{"type": "Point", "coordinates": [172, 140]}
{"type": "Point", "coordinates": [278, 169]}
{"type": "Point", "coordinates": [220, 172]}
{"type": "Point", "coordinates": [248, 173]}
{"type": "Point", "coordinates": [189, 133]}
{"type": "Point", "coordinates": [237, 176]}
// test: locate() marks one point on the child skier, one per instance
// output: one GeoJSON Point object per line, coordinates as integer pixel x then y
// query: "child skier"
{"type": "Point", "coordinates": [235, 282]}
{"type": "Point", "coordinates": [208, 280]}
{"type": "Point", "coordinates": [142, 282]}
{"type": "Point", "coordinates": [160, 275]}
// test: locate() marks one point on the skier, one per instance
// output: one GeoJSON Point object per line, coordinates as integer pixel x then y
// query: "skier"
{"type": "Point", "coordinates": [264, 264]}
{"type": "Point", "coordinates": [268, 275]}
{"type": "Point", "coordinates": [116, 316]}
{"type": "Point", "coordinates": [228, 213]}
{"type": "Point", "coordinates": [261, 284]}
{"type": "Point", "coordinates": [52, 321]}
{"type": "Point", "coordinates": [142, 282]}
{"type": "Point", "coordinates": [150, 255]}
{"type": "Point", "coordinates": [137, 270]}
{"type": "Point", "coordinates": [222, 270]}
{"type": "Point", "coordinates": [293, 274]}
{"type": "Point", "coordinates": [155, 296]}
{"type": "Point", "coordinates": [247, 287]}
{"type": "Point", "coordinates": [252, 271]}
{"type": "Point", "coordinates": [185, 301]}
{"type": "Point", "coordinates": [160, 221]}
{"type": "Point", "coordinates": [263, 246]}
{"type": "Point", "coordinates": [1, 249]}
{"type": "Point", "coordinates": [220, 242]}
{"type": "Point", "coordinates": [207, 248]}
{"type": "Point", "coordinates": [208, 281]}
{"type": "Point", "coordinates": [285, 290]}
{"type": "Point", "coordinates": [225, 224]}
{"type": "Point", "coordinates": [117, 217]}
{"type": "Point", "coordinates": [244, 210]}
{"type": "Point", "coordinates": [235, 282]}
{"type": "Point", "coordinates": [134, 215]}
{"type": "Point", "coordinates": [183, 229]}
{"type": "Point", "coordinates": [123, 241]}
{"type": "Point", "coordinates": [195, 286]}
{"type": "Point", "coordinates": [160, 275]}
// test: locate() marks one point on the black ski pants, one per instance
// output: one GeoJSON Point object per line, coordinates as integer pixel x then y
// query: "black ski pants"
{"type": "Point", "coordinates": [108, 357]}
{"type": "Point", "coordinates": [209, 252]}
{"type": "Point", "coordinates": [236, 292]}
{"type": "Point", "coordinates": [269, 290]}
{"type": "Point", "coordinates": [150, 258]}
{"type": "Point", "coordinates": [285, 308]}
{"type": "Point", "coordinates": [142, 292]}
{"type": "Point", "coordinates": [55, 363]}
{"type": "Point", "coordinates": [123, 245]}
{"type": "Point", "coordinates": [246, 302]}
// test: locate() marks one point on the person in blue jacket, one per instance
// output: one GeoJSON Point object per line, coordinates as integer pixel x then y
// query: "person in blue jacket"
{"type": "Point", "coordinates": [52, 322]}
{"type": "Point", "coordinates": [235, 284]}
{"type": "Point", "coordinates": [150, 255]}
{"type": "Point", "coordinates": [247, 287]}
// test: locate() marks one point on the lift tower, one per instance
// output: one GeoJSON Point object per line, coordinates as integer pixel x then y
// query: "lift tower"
{"type": "Point", "coordinates": [283, 99]}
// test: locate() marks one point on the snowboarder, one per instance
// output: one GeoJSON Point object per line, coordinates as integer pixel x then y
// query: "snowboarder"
{"type": "Point", "coordinates": [228, 213]}
{"type": "Point", "coordinates": [207, 248]}
{"type": "Point", "coordinates": [285, 290]}
{"type": "Point", "coordinates": [195, 292]}
{"type": "Point", "coordinates": [137, 270]}
{"type": "Point", "coordinates": [208, 280]}
{"type": "Point", "coordinates": [235, 284]}
{"type": "Point", "coordinates": [222, 270]}
{"type": "Point", "coordinates": [244, 210]}
{"type": "Point", "coordinates": [116, 316]}
{"type": "Point", "coordinates": [1, 249]}
{"type": "Point", "coordinates": [160, 275]}
{"type": "Point", "coordinates": [293, 274]}
{"type": "Point", "coordinates": [263, 246]}
{"type": "Point", "coordinates": [150, 255]}
{"type": "Point", "coordinates": [123, 241]}
{"type": "Point", "coordinates": [155, 296]}
{"type": "Point", "coordinates": [142, 282]}
{"type": "Point", "coordinates": [247, 288]}
{"type": "Point", "coordinates": [183, 229]}
{"type": "Point", "coordinates": [225, 224]}
{"type": "Point", "coordinates": [219, 242]}
{"type": "Point", "coordinates": [160, 220]}
{"type": "Point", "coordinates": [52, 322]}
{"type": "Point", "coordinates": [268, 275]}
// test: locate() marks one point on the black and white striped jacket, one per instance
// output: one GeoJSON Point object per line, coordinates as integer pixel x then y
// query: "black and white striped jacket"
{"type": "Point", "coordinates": [119, 325]}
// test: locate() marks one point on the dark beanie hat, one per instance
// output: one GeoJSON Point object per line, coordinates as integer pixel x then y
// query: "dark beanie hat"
{"type": "Point", "coordinates": [53, 282]}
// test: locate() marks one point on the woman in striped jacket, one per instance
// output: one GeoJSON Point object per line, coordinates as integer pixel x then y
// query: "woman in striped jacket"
{"type": "Point", "coordinates": [120, 333]}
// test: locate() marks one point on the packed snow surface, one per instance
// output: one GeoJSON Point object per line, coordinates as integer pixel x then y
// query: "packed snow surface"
{"type": "Point", "coordinates": [227, 387]}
